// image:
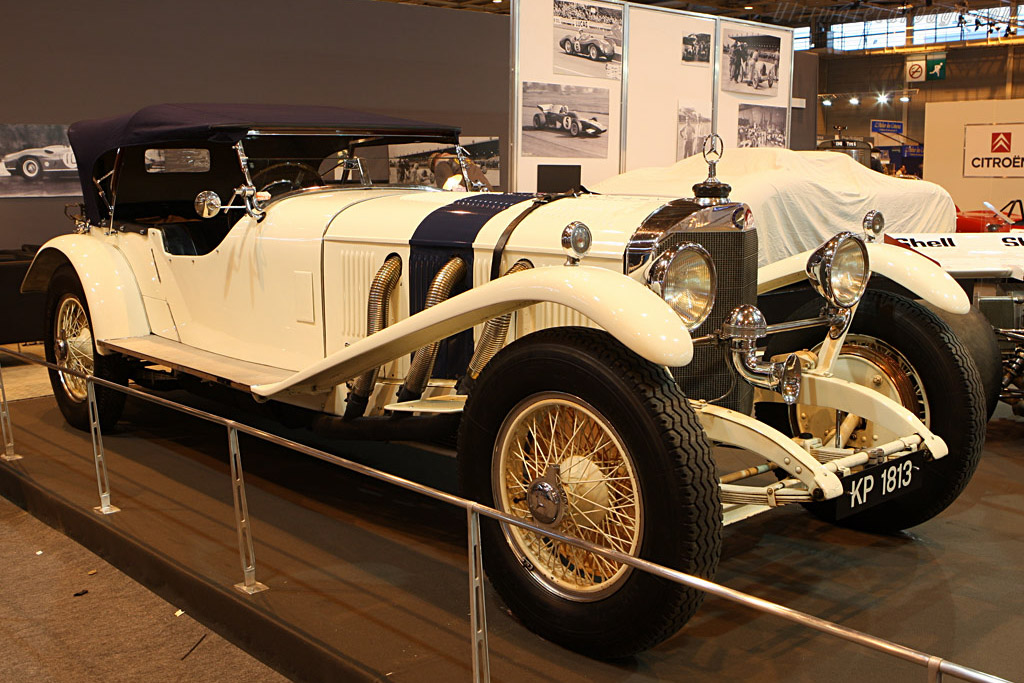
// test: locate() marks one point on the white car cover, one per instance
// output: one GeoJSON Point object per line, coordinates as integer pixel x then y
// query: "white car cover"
{"type": "Point", "coordinates": [800, 199]}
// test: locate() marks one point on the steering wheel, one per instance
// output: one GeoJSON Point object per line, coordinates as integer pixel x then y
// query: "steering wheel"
{"type": "Point", "coordinates": [286, 176]}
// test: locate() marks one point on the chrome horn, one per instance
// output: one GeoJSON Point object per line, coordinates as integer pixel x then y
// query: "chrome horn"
{"type": "Point", "coordinates": [744, 326]}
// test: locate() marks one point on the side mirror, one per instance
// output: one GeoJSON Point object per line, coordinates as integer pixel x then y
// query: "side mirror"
{"type": "Point", "coordinates": [208, 204]}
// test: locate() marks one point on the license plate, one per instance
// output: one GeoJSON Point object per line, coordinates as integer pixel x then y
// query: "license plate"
{"type": "Point", "coordinates": [879, 483]}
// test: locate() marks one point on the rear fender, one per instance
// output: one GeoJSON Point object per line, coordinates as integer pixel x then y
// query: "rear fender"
{"type": "Point", "coordinates": [628, 310]}
{"type": "Point", "coordinates": [911, 270]}
{"type": "Point", "coordinates": [115, 303]}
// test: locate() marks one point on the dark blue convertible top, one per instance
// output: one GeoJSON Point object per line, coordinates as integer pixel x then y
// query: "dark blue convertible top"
{"type": "Point", "coordinates": [226, 123]}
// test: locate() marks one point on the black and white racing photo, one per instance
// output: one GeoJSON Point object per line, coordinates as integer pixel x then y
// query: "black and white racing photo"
{"type": "Point", "coordinates": [36, 161]}
{"type": "Point", "coordinates": [438, 165]}
{"type": "Point", "coordinates": [760, 126]}
{"type": "Point", "coordinates": [697, 49]}
{"type": "Point", "coordinates": [565, 120]}
{"type": "Point", "coordinates": [750, 62]}
{"type": "Point", "coordinates": [588, 40]}
{"type": "Point", "coordinates": [694, 124]}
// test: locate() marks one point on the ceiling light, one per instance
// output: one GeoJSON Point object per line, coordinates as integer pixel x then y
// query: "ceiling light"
{"type": "Point", "coordinates": [855, 100]}
{"type": "Point", "coordinates": [827, 102]}
{"type": "Point", "coordinates": [905, 98]}
{"type": "Point", "coordinates": [748, 7]}
{"type": "Point", "coordinates": [883, 99]}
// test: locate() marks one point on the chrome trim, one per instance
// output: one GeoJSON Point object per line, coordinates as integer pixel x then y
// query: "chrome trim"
{"type": "Point", "coordinates": [624, 89]}
{"type": "Point", "coordinates": [678, 215]}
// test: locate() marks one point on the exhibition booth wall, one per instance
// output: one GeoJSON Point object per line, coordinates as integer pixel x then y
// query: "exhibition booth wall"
{"type": "Point", "coordinates": [976, 150]}
{"type": "Point", "coordinates": [84, 61]}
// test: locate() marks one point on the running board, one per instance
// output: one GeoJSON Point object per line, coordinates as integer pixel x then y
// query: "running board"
{"type": "Point", "coordinates": [213, 367]}
{"type": "Point", "coordinates": [436, 404]}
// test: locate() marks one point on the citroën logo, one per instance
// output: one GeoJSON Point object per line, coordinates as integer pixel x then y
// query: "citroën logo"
{"type": "Point", "coordinates": [1001, 142]}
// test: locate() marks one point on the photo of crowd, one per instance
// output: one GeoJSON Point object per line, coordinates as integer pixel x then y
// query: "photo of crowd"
{"type": "Point", "coordinates": [694, 125]}
{"type": "Point", "coordinates": [751, 62]}
{"type": "Point", "coordinates": [759, 126]}
{"type": "Point", "coordinates": [587, 40]}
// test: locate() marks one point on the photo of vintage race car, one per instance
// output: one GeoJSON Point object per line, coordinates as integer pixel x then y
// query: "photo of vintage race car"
{"type": "Point", "coordinates": [582, 352]}
{"type": "Point", "coordinates": [587, 44]}
{"type": "Point", "coordinates": [32, 163]}
{"type": "Point", "coordinates": [559, 117]}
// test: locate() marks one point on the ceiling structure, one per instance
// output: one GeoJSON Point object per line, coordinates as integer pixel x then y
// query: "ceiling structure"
{"type": "Point", "coordinates": [792, 14]}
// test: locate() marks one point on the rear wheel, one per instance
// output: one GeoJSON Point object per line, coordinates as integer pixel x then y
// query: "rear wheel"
{"type": "Point", "coordinates": [567, 46]}
{"type": "Point", "coordinates": [569, 430]}
{"type": "Point", "coordinates": [30, 168]}
{"type": "Point", "coordinates": [69, 342]}
{"type": "Point", "coordinates": [903, 350]}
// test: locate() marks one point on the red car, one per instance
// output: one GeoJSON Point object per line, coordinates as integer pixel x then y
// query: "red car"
{"type": "Point", "coordinates": [990, 220]}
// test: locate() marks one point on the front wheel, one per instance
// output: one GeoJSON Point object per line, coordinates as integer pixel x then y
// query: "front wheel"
{"type": "Point", "coordinates": [539, 121]}
{"type": "Point", "coordinates": [69, 342]}
{"type": "Point", "coordinates": [574, 128]}
{"type": "Point", "coordinates": [592, 52]}
{"type": "Point", "coordinates": [901, 349]}
{"type": "Point", "coordinates": [569, 430]}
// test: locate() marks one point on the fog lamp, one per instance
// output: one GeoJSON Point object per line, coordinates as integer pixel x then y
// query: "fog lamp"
{"type": "Point", "coordinates": [839, 270]}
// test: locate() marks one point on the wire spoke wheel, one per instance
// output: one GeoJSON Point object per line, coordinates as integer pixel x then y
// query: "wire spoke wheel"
{"type": "Point", "coordinates": [560, 463]}
{"type": "Point", "coordinates": [73, 346]}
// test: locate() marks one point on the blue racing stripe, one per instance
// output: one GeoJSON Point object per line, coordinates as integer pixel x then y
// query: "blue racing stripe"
{"type": "Point", "coordinates": [458, 224]}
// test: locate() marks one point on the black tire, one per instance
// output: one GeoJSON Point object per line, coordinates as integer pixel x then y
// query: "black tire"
{"type": "Point", "coordinates": [71, 399]}
{"type": "Point", "coordinates": [976, 332]}
{"type": "Point", "coordinates": [574, 128]}
{"type": "Point", "coordinates": [592, 52]}
{"type": "Point", "coordinates": [540, 121]}
{"type": "Point", "coordinates": [567, 46]}
{"type": "Point", "coordinates": [31, 168]}
{"type": "Point", "coordinates": [953, 393]}
{"type": "Point", "coordinates": [671, 464]}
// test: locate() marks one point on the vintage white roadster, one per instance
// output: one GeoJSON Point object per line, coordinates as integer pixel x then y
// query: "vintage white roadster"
{"type": "Point", "coordinates": [584, 351]}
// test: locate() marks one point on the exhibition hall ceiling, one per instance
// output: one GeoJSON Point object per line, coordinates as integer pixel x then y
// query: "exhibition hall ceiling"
{"type": "Point", "coordinates": [780, 13]}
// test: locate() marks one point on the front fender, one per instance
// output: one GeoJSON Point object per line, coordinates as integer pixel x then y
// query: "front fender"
{"type": "Point", "coordinates": [909, 269]}
{"type": "Point", "coordinates": [111, 292]}
{"type": "Point", "coordinates": [628, 310]}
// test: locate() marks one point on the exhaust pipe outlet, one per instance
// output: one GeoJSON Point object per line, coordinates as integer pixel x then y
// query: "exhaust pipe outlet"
{"type": "Point", "coordinates": [491, 339]}
{"type": "Point", "coordinates": [423, 361]}
{"type": "Point", "coordinates": [376, 320]}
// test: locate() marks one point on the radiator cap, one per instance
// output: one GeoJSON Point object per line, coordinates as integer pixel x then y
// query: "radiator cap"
{"type": "Point", "coordinates": [712, 187]}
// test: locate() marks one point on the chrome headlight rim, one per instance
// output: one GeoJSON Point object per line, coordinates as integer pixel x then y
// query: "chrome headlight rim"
{"type": "Point", "coordinates": [821, 267]}
{"type": "Point", "coordinates": [659, 272]}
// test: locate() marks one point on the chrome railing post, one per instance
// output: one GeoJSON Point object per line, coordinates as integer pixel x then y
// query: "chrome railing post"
{"type": "Point", "coordinates": [935, 670]}
{"type": "Point", "coordinates": [477, 606]}
{"type": "Point", "coordinates": [102, 481]}
{"type": "Point", "coordinates": [5, 424]}
{"type": "Point", "coordinates": [245, 550]}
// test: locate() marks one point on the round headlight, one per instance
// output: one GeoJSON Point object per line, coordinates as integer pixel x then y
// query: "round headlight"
{"type": "Point", "coordinates": [839, 269]}
{"type": "Point", "coordinates": [684, 276]}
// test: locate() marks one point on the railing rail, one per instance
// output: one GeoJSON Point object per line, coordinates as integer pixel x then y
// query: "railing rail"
{"type": "Point", "coordinates": [934, 666]}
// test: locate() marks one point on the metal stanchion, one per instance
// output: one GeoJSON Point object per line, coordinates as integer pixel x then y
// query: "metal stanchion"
{"type": "Point", "coordinates": [935, 670]}
{"type": "Point", "coordinates": [477, 607]}
{"type": "Point", "coordinates": [102, 481]}
{"type": "Point", "coordinates": [245, 550]}
{"type": "Point", "coordinates": [5, 424]}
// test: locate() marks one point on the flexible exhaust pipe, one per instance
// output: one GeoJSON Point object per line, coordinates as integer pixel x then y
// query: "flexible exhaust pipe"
{"type": "Point", "coordinates": [423, 361]}
{"type": "Point", "coordinates": [376, 320]}
{"type": "Point", "coordinates": [491, 339]}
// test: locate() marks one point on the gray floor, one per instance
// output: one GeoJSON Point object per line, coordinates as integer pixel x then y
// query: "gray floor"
{"type": "Point", "coordinates": [66, 615]}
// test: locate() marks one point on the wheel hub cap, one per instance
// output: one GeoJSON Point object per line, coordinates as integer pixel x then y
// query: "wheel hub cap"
{"type": "Point", "coordinates": [545, 498]}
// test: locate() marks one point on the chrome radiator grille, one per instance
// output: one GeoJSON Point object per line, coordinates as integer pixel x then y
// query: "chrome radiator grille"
{"type": "Point", "coordinates": [709, 376]}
